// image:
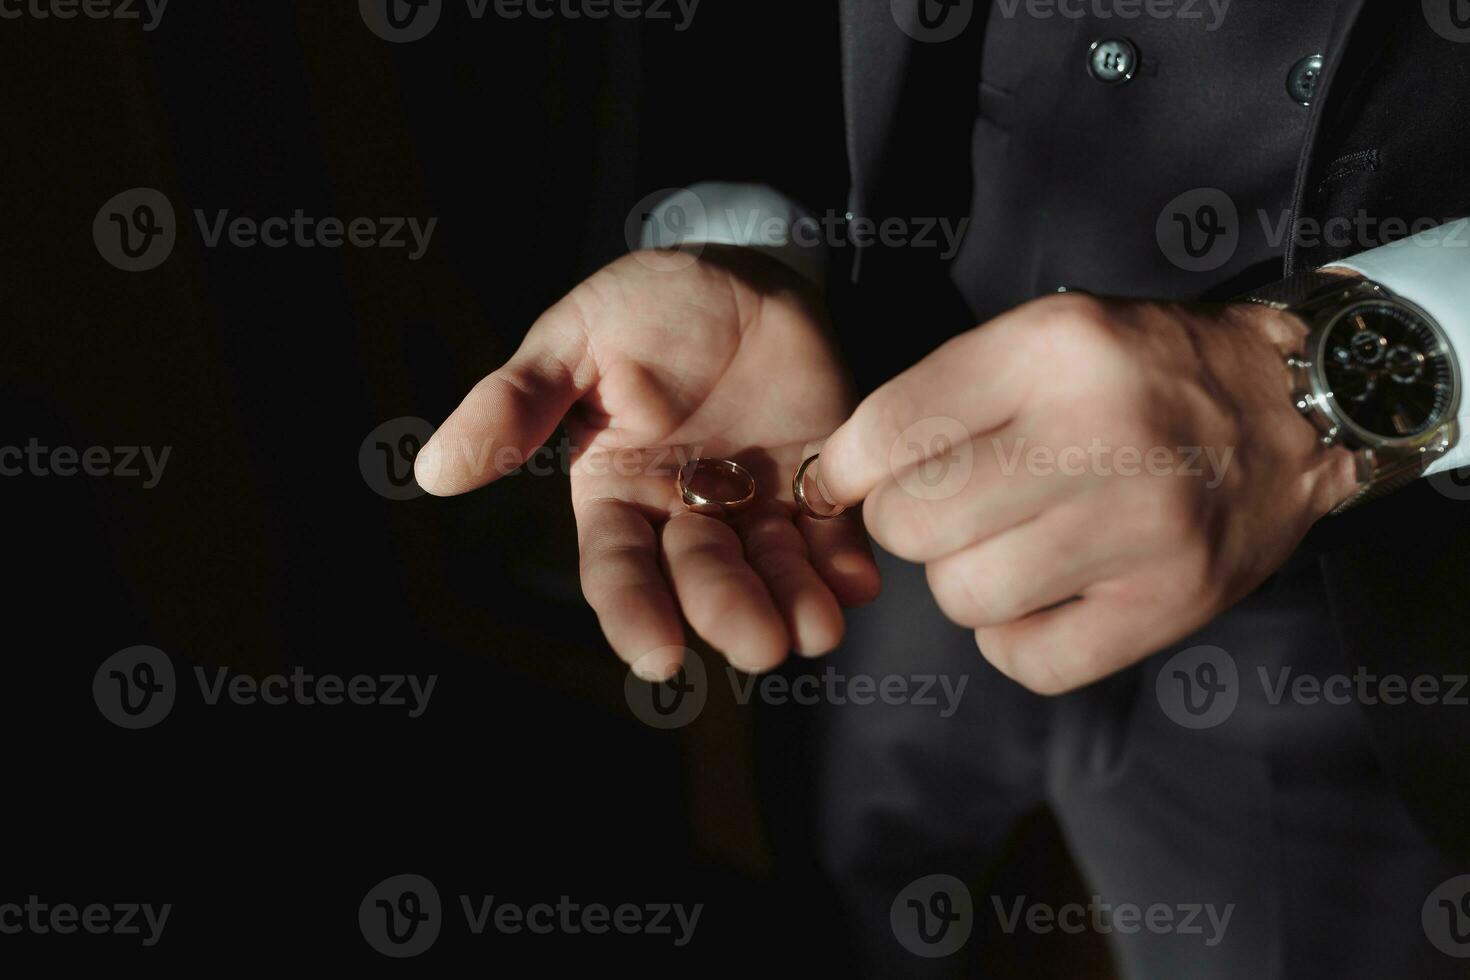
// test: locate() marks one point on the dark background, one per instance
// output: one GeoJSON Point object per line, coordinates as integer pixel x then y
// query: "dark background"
{"type": "Point", "coordinates": [264, 547]}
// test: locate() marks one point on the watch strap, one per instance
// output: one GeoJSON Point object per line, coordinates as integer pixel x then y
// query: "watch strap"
{"type": "Point", "coordinates": [1379, 478]}
{"type": "Point", "coordinates": [1298, 290]}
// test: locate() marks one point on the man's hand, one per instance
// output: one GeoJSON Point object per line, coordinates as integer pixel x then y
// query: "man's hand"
{"type": "Point", "coordinates": [654, 360]}
{"type": "Point", "coordinates": [1088, 481]}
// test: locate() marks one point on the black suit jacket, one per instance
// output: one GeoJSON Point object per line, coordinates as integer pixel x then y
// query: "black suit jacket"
{"type": "Point", "coordinates": [1387, 135]}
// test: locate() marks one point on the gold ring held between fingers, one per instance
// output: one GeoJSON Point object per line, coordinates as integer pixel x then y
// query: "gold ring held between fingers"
{"type": "Point", "coordinates": [808, 494]}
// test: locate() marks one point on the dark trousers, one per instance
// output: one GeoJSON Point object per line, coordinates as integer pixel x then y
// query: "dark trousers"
{"type": "Point", "coordinates": [1276, 815]}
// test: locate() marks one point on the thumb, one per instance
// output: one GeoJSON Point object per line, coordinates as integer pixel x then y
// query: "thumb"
{"type": "Point", "coordinates": [510, 413]}
{"type": "Point", "coordinates": [854, 460]}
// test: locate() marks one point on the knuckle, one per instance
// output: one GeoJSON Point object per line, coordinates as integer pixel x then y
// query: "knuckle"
{"type": "Point", "coordinates": [904, 526]}
{"type": "Point", "coordinates": [970, 597]}
{"type": "Point", "coordinates": [1070, 308]}
{"type": "Point", "coordinates": [1038, 670]}
{"type": "Point", "coordinates": [994, 598]}
{"type": "Point", "coordinates": [1071, 319]}
{"type": "Point", "coordinates": [1088, 350]}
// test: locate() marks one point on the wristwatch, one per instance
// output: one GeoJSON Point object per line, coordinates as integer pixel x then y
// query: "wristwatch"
{"type": "Point", "coordinates": [1378, 376]}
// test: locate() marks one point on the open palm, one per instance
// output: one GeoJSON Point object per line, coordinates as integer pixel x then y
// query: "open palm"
{"type": "Point", "coordinates": [659, 358]}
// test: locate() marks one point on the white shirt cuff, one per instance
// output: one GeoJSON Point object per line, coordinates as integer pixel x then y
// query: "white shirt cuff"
{"type": "Point", "coordinates": [1432, 271]}
{"type": "Point", "coordinates": [750, 215]}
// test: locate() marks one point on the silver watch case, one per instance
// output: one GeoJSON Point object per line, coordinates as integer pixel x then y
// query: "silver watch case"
{"type": "Point", "coordinates": [1314, 399]}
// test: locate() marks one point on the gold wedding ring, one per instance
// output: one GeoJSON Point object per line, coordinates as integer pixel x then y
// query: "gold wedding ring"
{"type": "Point", "coordinates": [708, 482]}
{"type": "Point", "coordinates": [805, 489]}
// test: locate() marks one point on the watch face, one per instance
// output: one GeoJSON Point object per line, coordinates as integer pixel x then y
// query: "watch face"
{"type": "Point", "coordinates": [1388, 370]}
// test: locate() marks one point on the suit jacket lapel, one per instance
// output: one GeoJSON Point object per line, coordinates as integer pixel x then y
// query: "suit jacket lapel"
{"type": "Point", "coordinates": [1308, 164]}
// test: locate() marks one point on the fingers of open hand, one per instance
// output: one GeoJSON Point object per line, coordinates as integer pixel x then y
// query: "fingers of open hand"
{"type": "Point", "coordinates": [723, 598]}
{"type": "Point", "coordinates": [842, 555]}
{"type": "Point", "coordinates": [779, 553]}
{"type": "Point", "coordinates": [624, 583]}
